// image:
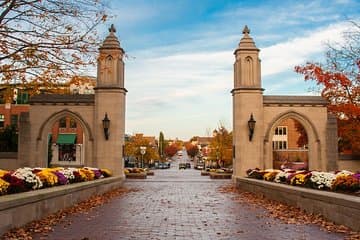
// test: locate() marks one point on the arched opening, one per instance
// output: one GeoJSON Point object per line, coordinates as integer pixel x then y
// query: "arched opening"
{"type": "Point", "coordinates": [290, 145]}
{"type": "Point", "coordinates": [304, 150]}
{"type": "Point", "coordinates": [66, 143]}
{"type": "Point", "coordinates": [68, 129]}
{"type": "Point", "coordinates": [249, 71]}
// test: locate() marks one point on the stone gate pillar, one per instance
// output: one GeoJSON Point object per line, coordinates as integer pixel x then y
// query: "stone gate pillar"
{"type": "Point", "coordinates": [331, 143]}
{"type": "Point", "coordinates": [247, 101]}
{"type": "Point", "coordinates": [110, 100]}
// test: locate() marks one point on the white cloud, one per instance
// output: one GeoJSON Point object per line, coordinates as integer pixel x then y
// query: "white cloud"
{"type": "Point", "coordinates": [179, 84]}
{"type": "Point", "coordinates": [284, 56]}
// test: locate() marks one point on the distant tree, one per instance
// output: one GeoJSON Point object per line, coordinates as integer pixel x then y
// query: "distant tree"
{"type": "Point", "coordinates": [162, 144]}
{"type": "Point", "coordinates": [171, 150]}
{"type": "Point", "coordinates": [339, 80]}
{"type": "Point", "coordinates": [221, 146]}
{"type": "Point", "coordinates": [191, 150]}
{"type": "Point", "coordinates": [42, 41]}
{"type": "Point", "coordinates": [302, 139]}
{"type": "Point", "coordinates": [132, 148]}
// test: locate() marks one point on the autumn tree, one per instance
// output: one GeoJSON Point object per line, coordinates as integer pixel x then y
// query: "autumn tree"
{"type": "Point", "coordinates": [221, 146]}
{"type": "Point", "coordinates": [132, 148]}
{"type": "Point", "coordinates": [171, 150]}
{"type": "Point", "coordinates": [303, 138]}
{"type": "Point", "coordinates": [44, 41]}
{"type": "Point", "coordinates": [338, 79]}
{"type": "Point", "coordinates": [191, 149]}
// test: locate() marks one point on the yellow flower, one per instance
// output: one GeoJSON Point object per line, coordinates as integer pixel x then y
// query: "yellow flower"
{"type": "Point", "coordinates": [47, 177]}
{"type": "Point", "coordinates": [3, 186]}
{"type": "Point", "coordinates": [3, 172]}
{"type": "Point", "coordinates": [106, 172]}
{"type": "Point", "coordinates": [270, 176]}
{"type": "Point", "coordinates": [88, 174]}
{"type": "Point", "coordinates": [298, 179]}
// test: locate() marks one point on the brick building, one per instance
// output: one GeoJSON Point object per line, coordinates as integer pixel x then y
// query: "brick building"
{"type": "Point", "coordinates": [290, 145]}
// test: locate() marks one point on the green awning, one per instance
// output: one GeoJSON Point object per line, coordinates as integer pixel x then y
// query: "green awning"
{"type": "Point", "coordinates": [66, 139]}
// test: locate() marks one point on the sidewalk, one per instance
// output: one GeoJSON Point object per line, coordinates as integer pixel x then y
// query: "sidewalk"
{"type": "Point", "coordinates": [181, 204]}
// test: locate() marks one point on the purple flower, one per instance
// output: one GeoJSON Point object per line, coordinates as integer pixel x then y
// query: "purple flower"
{"type": "Point", "coordinates": [62, 180]}
{"type": "Point", "coordinates": [357, 175]}
{"type": "Point", "coordinates": [97, 173]}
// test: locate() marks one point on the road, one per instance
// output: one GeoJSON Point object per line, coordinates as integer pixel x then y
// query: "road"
{"type": "Point", "coordinates": [181, 204]}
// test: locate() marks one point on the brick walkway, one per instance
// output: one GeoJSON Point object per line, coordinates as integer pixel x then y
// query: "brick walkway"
{"type": "Point", "coordinates": [180, 204]}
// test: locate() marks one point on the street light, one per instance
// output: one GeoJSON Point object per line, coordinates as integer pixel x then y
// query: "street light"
{"type": "Point", "coordinates": [106, 125]}
{"type": "Point", "coordinates": [251, 125]}
{"type": "Point", "coordinates": [142, 151]}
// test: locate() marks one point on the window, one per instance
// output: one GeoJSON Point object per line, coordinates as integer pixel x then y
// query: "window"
{"type": "Point", "coordinates": [279, 145]}
{"type": "Point", "coordinates": [14, 119]}
{"type": "Point", "coordinates": [2, 120]}
{"type": "Point", "coordinates": [280, 130]}
{"type": "Point", "coordinates": [72, 123]}
{"type": "Point", "coordinates": [62, 123]}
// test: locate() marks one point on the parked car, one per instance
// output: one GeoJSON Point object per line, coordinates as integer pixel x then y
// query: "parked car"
{"type": "Point", "coordinates": [182, 166]}
{"type": "Point", "coordinates": [199, 166]}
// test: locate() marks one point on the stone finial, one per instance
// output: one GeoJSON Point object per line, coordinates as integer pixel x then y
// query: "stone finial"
{"type": "Point", "coordinates": [246, 41]}
{"type": "Point", "coordinates": [112, 28]}
{"type": "Point", "coordinates": [111, 41]}
{"type": "Point", "coordinates": [246, 30]}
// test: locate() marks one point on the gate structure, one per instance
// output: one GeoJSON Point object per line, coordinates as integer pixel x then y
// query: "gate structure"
{"type": "Point", "coordinates": [89, 111]}
{"type": "Point", "coordinates": [255, 117]}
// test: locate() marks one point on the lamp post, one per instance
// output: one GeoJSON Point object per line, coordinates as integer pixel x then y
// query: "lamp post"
{"type": "Point", "coordinates": [251, 125]}
{"type": "Point", "coordinates": [142, 152]}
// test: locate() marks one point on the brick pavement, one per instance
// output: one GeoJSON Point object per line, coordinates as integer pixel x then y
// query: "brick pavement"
{"type": "Point", "coordinates": [180, 204]}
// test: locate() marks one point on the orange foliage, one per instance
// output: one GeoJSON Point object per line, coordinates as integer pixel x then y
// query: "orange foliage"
{"type": "Point", "coordinates": [343, 95]}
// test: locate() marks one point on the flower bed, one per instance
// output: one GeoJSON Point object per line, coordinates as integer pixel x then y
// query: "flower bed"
{"type": "Point", "coordinates": [222, 175]}
{"type": "Point", "coordinates": [344, 181]}
{"type": "Point", "coordinates": [135, 173]}
{"type": "Point", "coordinates": [26, 179]}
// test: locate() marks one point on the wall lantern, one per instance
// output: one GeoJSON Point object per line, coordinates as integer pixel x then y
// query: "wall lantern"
{"type": "Point", "coordinates": [251, 125]}
{"type": "Point", "coordinates": [106, 125]}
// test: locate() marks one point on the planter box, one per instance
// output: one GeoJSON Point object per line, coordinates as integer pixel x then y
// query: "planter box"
{"type": "Point", "coordinates": [136, 175]}
{"type": "Point", "coordinates": [214, 175]}
{"type": "Point", "coordinates": [340, 208]}
{"type": "Point", "coordinates": [205, 173]}
{"type": "Point", "coordinates": [19, 209]}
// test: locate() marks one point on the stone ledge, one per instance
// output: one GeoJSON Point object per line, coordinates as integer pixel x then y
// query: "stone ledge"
{"type": "Point", "coordinates": [21, 208]}
{"type": "Point", "coordinates": [339, 208]}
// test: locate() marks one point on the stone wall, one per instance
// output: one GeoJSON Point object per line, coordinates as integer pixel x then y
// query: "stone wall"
{"type": "Point", "coordinates": [349, 162]}
{"type": "Point", "coordinates": [18, 209]}
{"type": "Point", "coordinates": [339, 208]}
{"type": "Point", "coordinates": [8, 160]}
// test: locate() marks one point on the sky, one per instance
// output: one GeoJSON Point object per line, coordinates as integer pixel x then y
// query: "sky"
{"type": "Point", "coordinates": [179, 55]}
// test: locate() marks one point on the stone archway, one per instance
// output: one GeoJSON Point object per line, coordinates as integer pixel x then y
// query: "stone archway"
{"type": "Point", "coordinates": [46, 127]}
{"type": "Point", "coordinates": [314, 146]}
{"type": "Point", "coordinates": [89, 110]}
